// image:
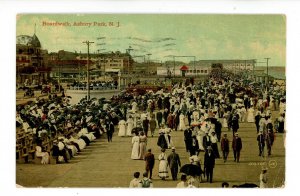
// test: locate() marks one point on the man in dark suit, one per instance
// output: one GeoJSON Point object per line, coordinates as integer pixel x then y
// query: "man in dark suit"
{"type": "Point", "coordinates": [225, 147]}
{"type": "Point", "coordinates": [110, 128]}
{"type": "Point", "coordinates": [261, 143]}
{"type": "Point", "coordinates": [188, 139]}
{"type": "Point", "coordinates": [206, 141]}
{"type": "Point", "coordinates": [159, 117]}
{"type": "Point", "coordinates": [150, 160]}
{"type": "Point", "coordinates": [235, 123]}
{"type": "Point", "coordinates": [174, 162]}
{"type": "Point", "coordinates": [209, 164]}
{"type": "Point", "coordinates": [237, 147]}
{"type": "Point", "coordinates": [257, 119]}
{"type": "Point", "coordinates": [146, 126]}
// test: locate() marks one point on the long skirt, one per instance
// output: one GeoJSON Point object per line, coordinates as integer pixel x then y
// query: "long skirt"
{"type": "Point", "coordinates": [163, 169]}
{"type": "Point", "coordinates": [142, 150]}
{"type": "Point", "coordinates": [135, 151]}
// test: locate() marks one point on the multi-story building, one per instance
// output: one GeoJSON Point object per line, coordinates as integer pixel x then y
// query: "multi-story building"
{"type": "Point", "coordinates": [67, 66]}
{"type": "Point", "coordinates": [31, 60]}
{"type": "Point", "coordinates": [114, 62]}
{"type": "Point", "coordinates": [203, 67]}
{"type": "Point", "coordinates": [72, 66]}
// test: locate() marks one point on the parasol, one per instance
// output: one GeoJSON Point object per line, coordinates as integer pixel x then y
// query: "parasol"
{"type": "Point", "coordinates": [191, 170]}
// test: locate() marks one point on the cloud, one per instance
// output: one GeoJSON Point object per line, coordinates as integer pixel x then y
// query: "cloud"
{"type": "Point", "coordinates": [224, 40]}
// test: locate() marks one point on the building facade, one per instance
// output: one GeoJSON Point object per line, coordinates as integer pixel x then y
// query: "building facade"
{"type": "Point", "coordinates": [114, 62]}
{"type": "Point", "coordinates": [204, 67]}
{"type": "Point", "coordinates": [31, 61]}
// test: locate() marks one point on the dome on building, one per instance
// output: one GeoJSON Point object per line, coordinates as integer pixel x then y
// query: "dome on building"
{"type": "Point", "coordinates": [28, 40]}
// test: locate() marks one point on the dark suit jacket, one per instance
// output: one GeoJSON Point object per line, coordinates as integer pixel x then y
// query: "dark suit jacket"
{"type": "Point", "coordinates": [205, 142]}
{"type": "Point", "coordinates": [225, 144]}
{"type": "Point", "coordinates": [174, 160]}
{"type": "Point", "coordinates": [209, 160]}
{"type": "Point", "coordinates": [110, 127]}
{"type": "Point", "coordinates": [150, 160]}
{"type": "Point", "coordinates": [237, 144]}
{"type": "Point", "coordinates": [159, 116]}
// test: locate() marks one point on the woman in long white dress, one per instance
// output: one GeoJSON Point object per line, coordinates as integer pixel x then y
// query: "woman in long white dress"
{"type": "Point", "coordinates": [181, 122]}
{"type": "Point", "coordinates": [250, 117]}
{"type": "Point", "coordinates": [168, 137]}
{"type": "Point", "coordinates": [199, 135]}
{"type": "Point", "coordinates": [130, 124]}
{"type": "Point", "coordinates": [225, 123]}
{"type": "Point", "coordinates": [122, 128]}
{"type": "Point", "coordinates": [143, 145]}
{"type": "Point", "coordinates": [135, 147]}
{"type": "Point", "coordinates": [163, 165]}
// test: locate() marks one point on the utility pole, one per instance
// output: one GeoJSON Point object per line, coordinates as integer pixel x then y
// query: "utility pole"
{"type": "Point", "coordinates": [58, 72]}
{"type": "Point", "coordinates": [254, 61]}
{"type": "Point", "coordinates": [88, 69]}
{"type": "Point", "coordinates": [128, 51]}
{"type": "Point", "coordinates": [267, 73]}
{"type": "Point", "coordinates": [149, 62]}
{"type": "Point", "coordinates": [174, 65]}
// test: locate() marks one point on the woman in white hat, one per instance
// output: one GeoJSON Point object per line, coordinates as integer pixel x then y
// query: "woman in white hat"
{"type": "Point", "coordinates": [250, 115]}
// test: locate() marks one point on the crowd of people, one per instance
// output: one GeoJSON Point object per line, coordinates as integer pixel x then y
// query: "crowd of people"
{"type": "Point", "coordinates": [70, 128]}
{"type": "Point", "coordinates": [200, 110]}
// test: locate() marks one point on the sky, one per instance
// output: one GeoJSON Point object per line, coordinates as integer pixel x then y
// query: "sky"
{"type": "Point", "coordinates": [207, 37]}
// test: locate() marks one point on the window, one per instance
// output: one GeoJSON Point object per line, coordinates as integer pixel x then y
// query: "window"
{"type": "Point", "coordinates": [205, 71]}
{"type": "Point", "coordinates": [201, 71]}
{"type": "Point", "coordinates": [198, 71]}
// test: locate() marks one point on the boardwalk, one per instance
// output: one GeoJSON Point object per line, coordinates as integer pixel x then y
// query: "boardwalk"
{"type": "Point", "coordinates": [104, 164]}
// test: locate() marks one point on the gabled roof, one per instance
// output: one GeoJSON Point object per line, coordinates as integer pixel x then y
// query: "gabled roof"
{"type": "Point", "coordinates": [184, 68]}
